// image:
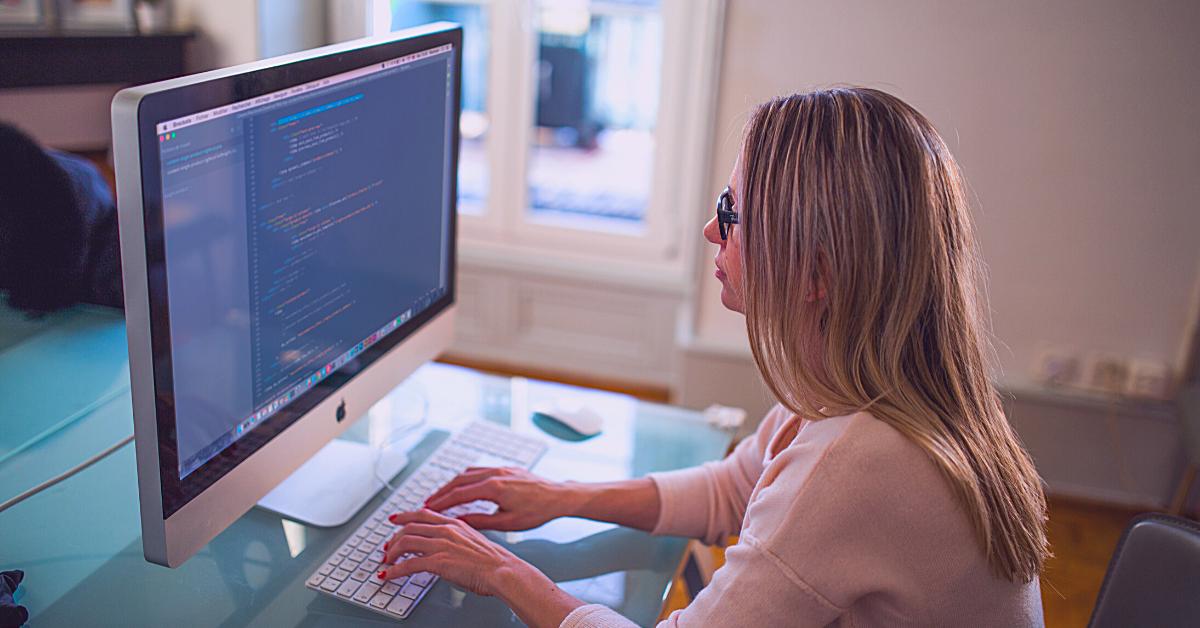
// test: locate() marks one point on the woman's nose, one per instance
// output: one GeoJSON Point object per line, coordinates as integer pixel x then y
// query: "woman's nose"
{"type": "Point", "coordinates": [712, 231]}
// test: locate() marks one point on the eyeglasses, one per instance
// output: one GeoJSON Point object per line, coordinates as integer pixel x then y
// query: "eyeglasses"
{"type": "Point", "coordinates": [725, 214]}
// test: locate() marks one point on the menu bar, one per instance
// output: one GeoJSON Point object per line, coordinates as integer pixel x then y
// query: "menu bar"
{"type": "Point", "coordinates": [299, 90]}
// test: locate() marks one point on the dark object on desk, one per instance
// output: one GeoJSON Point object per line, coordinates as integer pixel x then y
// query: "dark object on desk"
{"type": "Point", "coordinates": [1154, 576]}
{"type": "Point", "coordinates": [43, 59]}
{"type": "Point", "coordinates": [58, 229]}
{"type": "Point", "coordinates": [11, 615]}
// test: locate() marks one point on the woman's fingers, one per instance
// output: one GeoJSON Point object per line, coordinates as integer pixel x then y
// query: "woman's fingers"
{"type": "Point", "coordinates": [432, 564]}
{"type": "Point", "coordinates": [470, 476]}
{"type": "Point", "coordinates": [413, 545]}
{"type": "Point", "coordinates": [423, 515]}
{"type": "Point", "coordinates": [392, 550]}
{"type": "Point", "coordinates": [499, 521]}
{"type": "Point", "coordinates": [486, 489]}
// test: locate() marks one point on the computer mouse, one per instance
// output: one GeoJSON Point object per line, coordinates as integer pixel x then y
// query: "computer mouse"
{"type": "Point", "coordinates": [573, 425]}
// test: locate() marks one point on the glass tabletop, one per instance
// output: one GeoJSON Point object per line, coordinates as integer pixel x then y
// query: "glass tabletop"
{"type": "Point", "coordinates": [80, 545]}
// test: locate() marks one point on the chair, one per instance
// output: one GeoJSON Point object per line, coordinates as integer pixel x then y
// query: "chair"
{"type": "Point", "coordinates": [1154, 576]}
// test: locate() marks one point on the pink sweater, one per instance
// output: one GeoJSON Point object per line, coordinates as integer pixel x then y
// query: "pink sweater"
{"type": "Point", "coordinates": [843, 522]}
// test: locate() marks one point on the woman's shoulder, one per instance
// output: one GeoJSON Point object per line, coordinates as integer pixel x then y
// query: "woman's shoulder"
{"type": "Point", "coordinates": [854, 466]}
{"type": "Point", "coordinates": [859, 441]}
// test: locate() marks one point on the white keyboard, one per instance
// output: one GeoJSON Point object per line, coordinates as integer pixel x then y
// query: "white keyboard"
{"type": "Point", "coordinates": [349, 573]}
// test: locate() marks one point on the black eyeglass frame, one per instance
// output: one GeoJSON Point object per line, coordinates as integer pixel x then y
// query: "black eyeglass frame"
{"type": "Point", "coordinates": [726, 216]}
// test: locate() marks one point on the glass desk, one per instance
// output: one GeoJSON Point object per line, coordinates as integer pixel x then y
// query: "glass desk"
{"type": "Point", "coordinates": [80, 546]}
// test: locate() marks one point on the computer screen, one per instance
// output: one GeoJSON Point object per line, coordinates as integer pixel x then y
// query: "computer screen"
{"type": "Point", "coordinates": [296, 224]}
{"type": "Point", "coordinates": [298, 233]}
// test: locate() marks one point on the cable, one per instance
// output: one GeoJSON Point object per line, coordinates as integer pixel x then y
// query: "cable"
{"type": "Point", "coordinates": [62, 476]}
{"type": "Point", "coordinates": [58, 427]}
{"type": "Point", "coordinates": [395, 437]}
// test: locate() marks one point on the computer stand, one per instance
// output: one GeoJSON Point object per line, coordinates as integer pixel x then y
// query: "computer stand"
{"type": "Point", "coordinates": [335, 483]}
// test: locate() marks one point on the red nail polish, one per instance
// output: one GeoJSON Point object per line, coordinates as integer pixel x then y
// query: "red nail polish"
{"type": "Point", "coordinates": [392, 518]}
{"type": "Point", "coordinates": [381, 575]}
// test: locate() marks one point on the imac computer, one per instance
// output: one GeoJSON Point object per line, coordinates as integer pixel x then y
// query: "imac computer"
{"type": "Point", "coordinates": [288, 249]}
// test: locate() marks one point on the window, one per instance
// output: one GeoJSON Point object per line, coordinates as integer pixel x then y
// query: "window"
{"type": "Point", "coordinates": [585, 125]}
{"type": "Point", "coordinates": [597, 86]}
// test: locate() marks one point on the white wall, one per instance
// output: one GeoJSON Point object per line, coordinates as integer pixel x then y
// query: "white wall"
{"type": "Point", "coordinates": [291, 25]}
{"type": "Point", "coordinates": [227, 31]}
{"type": "Point", "coordinates": [1075, 122]}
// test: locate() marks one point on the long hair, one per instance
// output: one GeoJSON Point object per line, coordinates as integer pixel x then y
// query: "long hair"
{"type": "Point", "coordinates": [862, 289]}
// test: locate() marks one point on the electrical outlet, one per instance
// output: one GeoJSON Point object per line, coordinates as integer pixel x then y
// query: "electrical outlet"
{"type": "Point", "coordinates": [1107, 373]}
{"type": "Point", "coordinates": [1150, 379]}
{"type": "Point", "coordinates": [1056, 367]}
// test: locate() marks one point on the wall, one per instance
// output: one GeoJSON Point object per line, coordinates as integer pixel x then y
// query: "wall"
{"type": "Point", "coordinates": [226, 31]}
{"type": "Point", "coordinates": [291, 25]}
{"type": "Point", "coordinates": [1074, 122]}
{"type": "Point", "coordinates": [77, 117]}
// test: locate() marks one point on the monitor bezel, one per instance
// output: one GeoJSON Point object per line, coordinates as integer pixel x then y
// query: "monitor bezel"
{"type": "Point", "coordinates": [177, 102]}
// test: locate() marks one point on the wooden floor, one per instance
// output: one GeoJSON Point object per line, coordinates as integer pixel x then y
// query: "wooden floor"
{"type": "Point", "coordinates": [1082, 537]}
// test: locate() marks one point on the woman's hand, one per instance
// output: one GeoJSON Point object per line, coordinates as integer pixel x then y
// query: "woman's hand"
{"type": "Point", "coordinates": [524, 500]}
{"type": "Point", "coordinates": [461, 554]}
{"type": "Point", "coordinates": [449, 548]}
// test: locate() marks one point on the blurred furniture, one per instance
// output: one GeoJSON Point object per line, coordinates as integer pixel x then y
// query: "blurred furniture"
{"type": "Point", "coordinates": [43, 59]}
{"type": "Point", "coordinates": [1153, 579]}
{"type": "Point", "coordinates": [1188, 404]}
{"type": "Point", "coordinates": [80, 545]}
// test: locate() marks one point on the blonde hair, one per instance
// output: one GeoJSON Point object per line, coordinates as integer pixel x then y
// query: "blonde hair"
{"type": "Point", "coordinates": [861, 288]}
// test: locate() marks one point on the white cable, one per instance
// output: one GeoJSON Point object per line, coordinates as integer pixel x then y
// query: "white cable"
{"type": "Point", "coordinates": [59, 478]}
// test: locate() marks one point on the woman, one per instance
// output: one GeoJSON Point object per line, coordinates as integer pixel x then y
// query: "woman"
{"type": "Point", "coordinates": [887, 488]}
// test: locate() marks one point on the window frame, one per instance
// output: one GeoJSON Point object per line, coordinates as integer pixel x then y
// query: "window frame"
{"type": "Point", "coordinates": [505, 235]}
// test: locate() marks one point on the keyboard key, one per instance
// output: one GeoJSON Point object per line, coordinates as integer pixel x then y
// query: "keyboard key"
{"type": "Point", "coordinates": [376, 556]}
{"type": "Point", "coordinates": [349, 564]}
{"type": "Point", "coordinates": [360, 575]}
{"type": "Point", "coordinates": [399, 606]}
{"type": "Point", "coordinates": [358, 557]}
{"type": "Point", "coordinates": [330, 584]}
{"type": "Point", "coordinates": [367, 547]}
{"type": "Point", "coordinates": [327, 568]}
{"type": "Point", "coordinates": [345, 549]}
{"type": "Point", "coordinates": [391, 588]}
{"type": "Point", "coordinates": [348, 588]}
{"type": "Point", "coordinates": [422, 578]}
{"type": "Point", "coordinates": [370, 566]}
{"type": "Point", "coordinates": [339, 574]}
{"type": "Point", "coordinates": [315, 580]}
{"type": "Point", "coordinates": [380, 600]}
{"type": "Point", "coordinates": [366, 592]}
{"type": "Point", "coordinates": [411, 590]}
{"type": "Point", "coordinates": [375, 539]}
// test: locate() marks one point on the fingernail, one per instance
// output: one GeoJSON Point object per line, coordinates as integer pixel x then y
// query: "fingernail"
{"type": "Point", "coordinates": [381, 575]}
{"type": "Point", "coordinates": [392, 518]}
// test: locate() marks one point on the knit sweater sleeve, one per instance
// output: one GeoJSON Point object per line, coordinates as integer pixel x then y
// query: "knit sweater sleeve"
{"type": "Point", "coordinates": [767, 593]}
{"type": "Point", "coordinates": [708, 502]}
